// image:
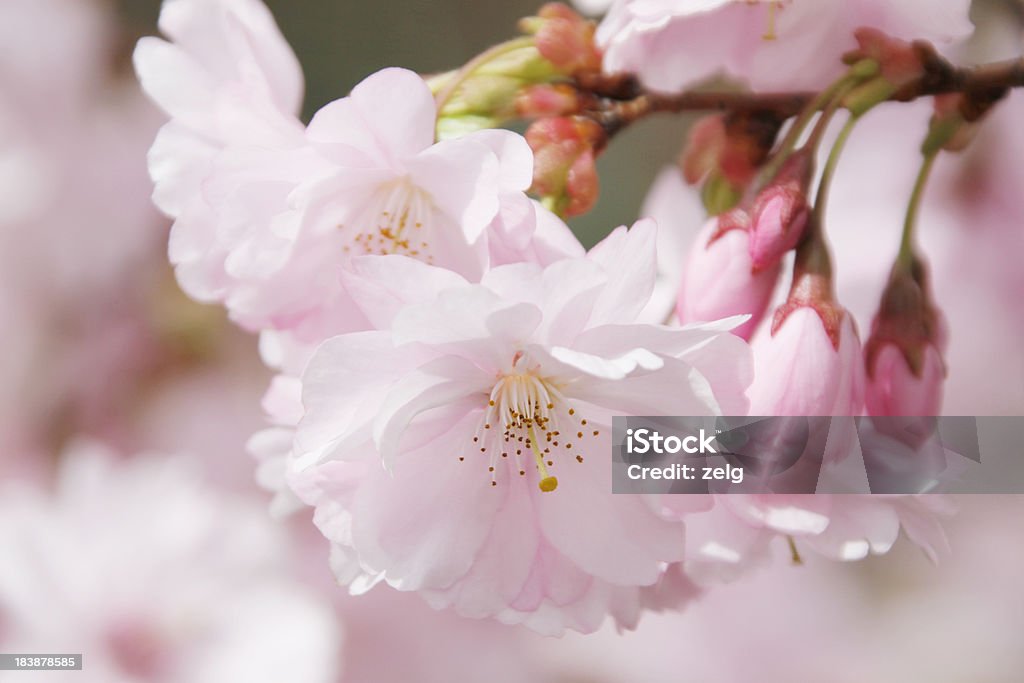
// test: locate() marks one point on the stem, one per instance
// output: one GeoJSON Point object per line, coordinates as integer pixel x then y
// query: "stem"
{"type": "Point", "coordinates": [906, 254]}
{"type": "Point", "coordinates": [830, 170]}
{"type": "Point", "coordinates": [829, 99]}
{"type": "Point", "coordinates": [469, 68]}
{"type": "Point", "coordinates": [814, 106]}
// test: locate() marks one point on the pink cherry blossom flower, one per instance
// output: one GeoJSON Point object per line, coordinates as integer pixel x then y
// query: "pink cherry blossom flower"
{"type": "Point", "coordinates": [719, 279]}
{"type": "Point", "coordinates": [152, 575]}
{"type": "Point", "coordinates": [267, 212]}
{"type": "Point", "coordinates": [489, 406]}
{"type": "Point", "coordinates": [391, 190]}
{"type": "Point", "coordinates": [770, 44]}
{"type": "Point", "coordinates": [678, 211]}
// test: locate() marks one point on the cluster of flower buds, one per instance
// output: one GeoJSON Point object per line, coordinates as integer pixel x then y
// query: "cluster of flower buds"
{"type": "Point", "coordinates": [525, 77]}
{"type": "Point", "coordinates": [811, 362]}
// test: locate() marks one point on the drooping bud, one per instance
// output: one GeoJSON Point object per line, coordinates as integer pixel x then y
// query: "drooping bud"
{"type": "Point", "coordinates": [564, 38]}
{"type": "Point", "coordinates": [564, 171]}
{"type": "Point", "coordinates": [806, 368]}
{"type": "Point", "coordinates": [719, 281]}
{"type": "Point", "coordinates": [810, 363]}
{"type": "Point", "coordinates": [780, 211]}
{"type": "Point", "coordinates": [903, 355]}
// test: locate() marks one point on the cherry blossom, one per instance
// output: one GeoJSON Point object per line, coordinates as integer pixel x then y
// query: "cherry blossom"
{"type": "Point", "coordinates": [769, 44]}
{"type": "Point", "coordinates": [489, 407]}
{"type": "Point", "coordinates": [267, 211]}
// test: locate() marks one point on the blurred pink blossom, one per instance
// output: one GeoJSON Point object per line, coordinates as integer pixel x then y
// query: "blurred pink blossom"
{"type": "Point", "coordinates": [769, 44]}
{"type": "Point", "coordinates": [155, 576]}
{"type": "Point", "coordinates": [78, 238]}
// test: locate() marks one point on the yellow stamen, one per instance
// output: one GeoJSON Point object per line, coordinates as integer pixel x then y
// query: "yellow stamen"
{"type": "Point", "coordinates": [547, 482]}
{"type": "Point", "coordinates": [770, 32]}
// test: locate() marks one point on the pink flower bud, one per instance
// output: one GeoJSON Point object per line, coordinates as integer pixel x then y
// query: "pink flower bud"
{"type": "Point", "coordinates": [894, 388]}
{"type": "Point", "coordinates": [566, 39]}
{"type": "Point", "coordinates": [703, 149]}
{"type": "Point", "coordinates": [806, 368]}
{"type": "Point", "coordinates": [898, 60]}
{"type": "Point", "coordinates": [778, 217]}
{"type": "Point", "coordinates": [904, 353]}
{"type": "Point", "coordinates": [719, 281]}
{"type": "Point", "coordinates": [557, 99]}
{"type": "Point", "coordinates": [730, 146]}
{"type": "Point", "coordinates": [564, 170]}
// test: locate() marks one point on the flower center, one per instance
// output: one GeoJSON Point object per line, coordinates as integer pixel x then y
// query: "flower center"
{"type": "Point", "coordinates": [398, 220]}
{"type": "Point", "coordinates": [524, 416]}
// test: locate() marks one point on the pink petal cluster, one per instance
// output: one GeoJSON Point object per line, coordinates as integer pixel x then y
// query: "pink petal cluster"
{"type": "Point", "coordinates": [449, 359]}
{"type": "Point", "coordinates": [155, 576]}
{"type": "Point", "coordinates": [268, 212]}
{"type": "Point", "coordinates": [769, 44]}
{"type": "Point", "coordinates": [459, 450]}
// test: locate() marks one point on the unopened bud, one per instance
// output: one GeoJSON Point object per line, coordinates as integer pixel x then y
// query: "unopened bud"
{"type": "Point", "coordinates": [779, 215]}
{"type": "Point", "coordinates": [903, 355]}
{"type": "Point", "coordinates": [809, 367]}
{"type": "Point", "coordinates": [812, 289]}
{"type": "Point", "coordinates": [545, 100]}
{"type": "Point", "coordinates": [564, 38]}
{"type": "Point", "coordinates": [704, 145]}
{"type": "Point", "coordinates": [899, 62]}
{"type": "Point", "coordinates": [719, 282]}
{"type": "Point", "coordinates": [564, 172]}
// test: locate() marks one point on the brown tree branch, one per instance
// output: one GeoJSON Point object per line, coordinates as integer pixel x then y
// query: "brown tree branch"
{"type": "Point", "coordinates": [619, 101]}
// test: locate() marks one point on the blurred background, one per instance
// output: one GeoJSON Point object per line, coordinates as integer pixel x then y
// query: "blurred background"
{"type": "Point", "coordinates": [125, 407]}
